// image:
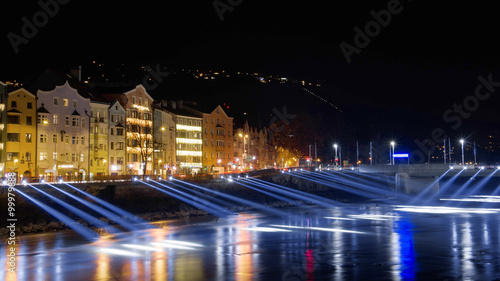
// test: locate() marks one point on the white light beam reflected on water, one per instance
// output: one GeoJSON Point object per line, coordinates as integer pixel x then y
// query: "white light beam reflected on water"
{"type": "Point", "coordinates": [445, 210]}
{"type": "Point", "coordinates": [266, 229]}
{"type": "Point", "coordinates": [319, 228]}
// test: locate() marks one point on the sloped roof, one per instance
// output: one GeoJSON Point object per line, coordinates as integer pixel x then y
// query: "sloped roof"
{"type": "Point", "coordinates": [42, 109]}
{"type": "Point", "coordinates": [51, 78]}
{"type": "Point", "coordinates": [14, 111]}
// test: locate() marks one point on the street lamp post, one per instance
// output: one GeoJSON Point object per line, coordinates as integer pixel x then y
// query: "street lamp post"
{"type": "Point", "coordinates": [462, 142]}
{"type": "Point", "coordinates": [336, 156]}
{"type": "Point", "coordinates": [393, 143]}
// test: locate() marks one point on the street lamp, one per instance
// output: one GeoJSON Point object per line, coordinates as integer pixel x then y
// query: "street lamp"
{"type": "Point", "coordinates": [336, 156]}
{"type": "Point", "coordinates": [393, 143]}
{"type": "Point", "coordinates": [45, 122]}
{"type": "Point", "coordinates": [462, 142]}
{"type": "Point", "coordinates": [244, 154]}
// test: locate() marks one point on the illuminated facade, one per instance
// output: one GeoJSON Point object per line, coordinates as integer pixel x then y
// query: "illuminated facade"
{"type": "Point", "coordinates": [63, 132]}
{"type": "Point", "coordinates": [252, 149]}
{"type": "Point", "coordinates": [21, 134]}
{"type": "Point", "coordinates": [139, 125]}
{"type": "Point", "coordinates": [188, 137]}
{"type": "Point", "coordinates": [217, 141]}
{"type": "Point", "coordinates": [116, 138]}
{"type": "Point", "coordinates": [3, 124]}
{"type": "Point", "coordinates": [98, 150]}
{"type": "Point", "coordinates": [188, 143]}
{"type": "Point", "coordinates": [164, 142]}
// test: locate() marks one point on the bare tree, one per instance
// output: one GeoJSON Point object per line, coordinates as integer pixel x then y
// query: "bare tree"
{"type": "Point", "coordinates": [141, 140]}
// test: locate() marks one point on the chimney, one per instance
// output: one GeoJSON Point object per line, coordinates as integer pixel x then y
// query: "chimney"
{"type": "Point", "coordinates": [173, 104]}
{"type": "Point", "coordinates": [179, 104]}
{"type": "Point", "coordinates": [164, 103]}
{"type": "Point", "coordinates": [76, 72]}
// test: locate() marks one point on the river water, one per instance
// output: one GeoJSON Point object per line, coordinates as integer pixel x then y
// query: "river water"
{"type": "Point", "coordinates": [361, 242]}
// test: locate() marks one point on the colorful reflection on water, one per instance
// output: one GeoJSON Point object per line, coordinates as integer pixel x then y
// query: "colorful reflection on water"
{"type": "Point", "coordinates": [374, 243]}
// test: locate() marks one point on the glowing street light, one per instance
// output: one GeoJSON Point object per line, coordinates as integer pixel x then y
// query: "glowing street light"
{"type": "Point", "coordinates": [393, 144]}
{"type": "Point", "coordinates": [462, 142]}
{"type": "Point", "coordinates": [336, 155]}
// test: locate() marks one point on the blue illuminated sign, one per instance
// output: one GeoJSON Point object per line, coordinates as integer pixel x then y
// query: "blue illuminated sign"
{"type": "Point", "coordinates": [400, 155]}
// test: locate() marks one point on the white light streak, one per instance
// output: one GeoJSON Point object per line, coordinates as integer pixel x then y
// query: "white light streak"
{"type": "Point", "coordinates": [372, 217]}
{"type": "Point", "coordinates": [445, 210]}
{"type": "Point", "coordinates": [339, 218]}
{"type": "Point", "coordinates": [183, 243]}
{"type": "Point", "coordinates": [266, 229]}
{"type": "Point", "coordinates": [118, 252]}
{"type": "Point", "coordinates": [141, 247]}
{"type": "Point", "coordinates": [319, 229]}
{"type": "Point", "coordinates": [172, 246]}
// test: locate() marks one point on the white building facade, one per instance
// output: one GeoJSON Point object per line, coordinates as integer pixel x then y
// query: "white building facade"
{"type": "Point", "coordinates": [116, 139]}
{"type": "Point", "coordinates": [63, 133]}
{"type": "Point", "coordinates": [164, 143]}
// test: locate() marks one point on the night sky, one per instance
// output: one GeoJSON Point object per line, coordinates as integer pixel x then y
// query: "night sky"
{"type": "Point", "coordinates": [425, 59]}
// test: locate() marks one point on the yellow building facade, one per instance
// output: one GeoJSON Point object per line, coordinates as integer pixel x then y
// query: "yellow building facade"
{"type": "Point", "coordinates": [217, 141]}
{"type": "Point", "coordinates": [21, 134]}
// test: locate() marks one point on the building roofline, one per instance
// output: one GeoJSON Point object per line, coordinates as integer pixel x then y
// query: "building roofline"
{"type": "Point", "coordinates": [137, 87]}
{"type": "Point", "coordinates": [21, 90]}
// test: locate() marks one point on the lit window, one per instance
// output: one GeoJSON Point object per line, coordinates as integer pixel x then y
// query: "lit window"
{"type": "Point", "coordinates": [11, 156]}
{"type": "Point", "coordinates": [65, 102]}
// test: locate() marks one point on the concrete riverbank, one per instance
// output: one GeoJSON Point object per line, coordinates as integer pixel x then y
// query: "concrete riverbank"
{"type": "Point", "coordinates": [144, 201]}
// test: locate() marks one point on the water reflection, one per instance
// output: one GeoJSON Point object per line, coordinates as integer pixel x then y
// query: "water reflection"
{"type": "Point", "coordinates": [375, 245]}
{"type": "Point", "coordinates": [403, 228]}
{"type": "Point", "coordinates": [466, 245]}
{"type": "Point", "coordinates": [338, 251]}
{"type": "Point", "coordinates": [243, 249]}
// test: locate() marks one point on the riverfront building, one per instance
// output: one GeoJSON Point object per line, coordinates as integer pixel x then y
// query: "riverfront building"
{"type": "Point", "coordinates": [21, 134]}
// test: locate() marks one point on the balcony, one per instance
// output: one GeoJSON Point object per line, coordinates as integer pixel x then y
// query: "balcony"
{"type": "Point", "coordinates": [99, 119]}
